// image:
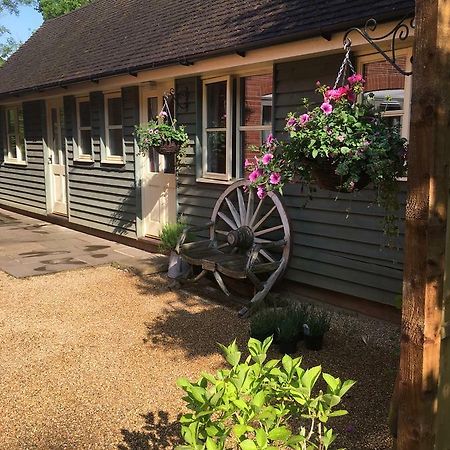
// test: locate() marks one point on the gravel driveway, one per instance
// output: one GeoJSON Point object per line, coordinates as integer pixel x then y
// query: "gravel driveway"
{"type": "Point", "coordinates": [89, 360]}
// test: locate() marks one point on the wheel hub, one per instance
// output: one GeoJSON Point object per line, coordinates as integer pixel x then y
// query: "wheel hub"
{"type": "Point", "coordinates": [242, 238]}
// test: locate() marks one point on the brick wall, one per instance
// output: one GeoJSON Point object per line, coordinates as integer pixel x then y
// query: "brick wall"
{"type": "Point", "coordinates": [380, 75]}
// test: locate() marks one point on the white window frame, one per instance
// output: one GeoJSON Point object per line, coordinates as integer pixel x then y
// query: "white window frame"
{"type": "Point", "coordinates": [107, 157]}
{"type": "Point", "coordinates": [21, 157]}
{"type": "Point", "coordinates": [89, 157]}
{"type": "Point", "coordinates": [243, 128]}
{"type": "Point", "coordinates": [228, 131]}
{"type": "Point", "coordinates": [404, 113]}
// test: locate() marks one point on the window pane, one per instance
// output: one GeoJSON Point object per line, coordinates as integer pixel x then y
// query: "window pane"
{"type": "Point", "coordinates": [152, 108]}
{"type": "Point", "coordinates": [217, 152]}
{"type": "Point", "coordinates": [115, 111]}
{"type": "Point", "coordinates": [12, 153]}
{"type": "Point", "coordinates": [216, 104]}
{"type": "Point", "coordinates": [250, 139]}
{"type": "Point", "coordinates": [85, 114]}
{"type": "Point", "coordinates": [257, 100]}
{"type": "Point", "coordinates": [85, 144]}
{"type": "Point", "coordinates": [11, 120]}
{"type": "Point", "coordinates": [115, 143]}
{"type": "Point", "coordinates": [386, 84]}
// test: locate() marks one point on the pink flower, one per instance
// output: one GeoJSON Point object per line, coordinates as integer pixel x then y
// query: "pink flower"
{"type": "Point", "coordinates": [270, 140]}
{"type": "Point", "coordinates": [326, 108]}
{"type": "Point", "coordinates": [336, 94]}
{"type": "Point", "coordinates": [267, 158]}
{"type": "Point", "coordinates": [304, 119]}
{"type": "Point", "coordinates": [275, 178]}
{"type": "Point", "coordinates": [247, 163]}
{"type": "Point", "coordinates": [356, 78]}
{"type": "Point", "coordinates": [292, 122]}
{"type": "Point", "coordinates": [351, 97]}
{"type": "Point", "coordinates": [261, 192]}
{"type": "Point", "coordinates": [255, 175]}
{"type": "Point", "coordinates": [162, 115]}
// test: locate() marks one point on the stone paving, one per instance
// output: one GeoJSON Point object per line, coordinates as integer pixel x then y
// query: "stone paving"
{"type": "Point", "coordinates": [30, 247]}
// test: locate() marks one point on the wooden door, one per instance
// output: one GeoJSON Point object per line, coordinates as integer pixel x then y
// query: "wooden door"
{"type": "Point", "coordinates": [56, 158]}
{"type": "Point", "coordinates": [157, 172]}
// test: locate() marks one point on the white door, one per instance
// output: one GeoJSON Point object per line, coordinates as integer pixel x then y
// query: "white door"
{"type": "Point", "coordinates": [157, 171]}
{"type": "Point", "coordinates": [57, 190]}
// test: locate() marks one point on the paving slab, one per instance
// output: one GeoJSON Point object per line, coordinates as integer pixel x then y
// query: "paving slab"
{"type": "Point", "coordinates": [30, 247]}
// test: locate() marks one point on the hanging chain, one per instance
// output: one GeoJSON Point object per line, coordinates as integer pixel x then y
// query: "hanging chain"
{"type": "Point", "coordinates": [346, 63]}
{"type": "Point", "coordinates": [166, 105]}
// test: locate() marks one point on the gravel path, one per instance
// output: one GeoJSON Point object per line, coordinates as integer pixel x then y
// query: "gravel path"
{"type": "Point", "coordinates": [89, 360]}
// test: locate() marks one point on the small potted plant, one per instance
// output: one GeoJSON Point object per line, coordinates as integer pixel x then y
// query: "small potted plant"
{"type": "Point", "coordinates": [287, 334]}
{"type": "Point", "coordinates": [169, 235]}
{"type": "Point", "coordinates": [166, 138]}
{"type": "Point", "coordinates": [301, 313]}
{"type": "Point", "coordinates": [263, 323]}
{"type": "Point", "coordinates": [315, 327]}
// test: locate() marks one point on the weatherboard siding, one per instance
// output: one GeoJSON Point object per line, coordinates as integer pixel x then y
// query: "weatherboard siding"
{"type": "Point", "coordinates": [338, 243]}
{"type": "Point", "coordinates": [103, 196]}
{"type": "Point", "coordinates": [23, 186]}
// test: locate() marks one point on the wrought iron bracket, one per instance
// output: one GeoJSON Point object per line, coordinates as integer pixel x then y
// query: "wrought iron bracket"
{"type": "Point", "coordinates": [401, 32]}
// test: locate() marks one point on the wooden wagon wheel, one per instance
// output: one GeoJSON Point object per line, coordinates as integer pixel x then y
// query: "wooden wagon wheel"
{"type": "Point", "coordinates": [241, 219]}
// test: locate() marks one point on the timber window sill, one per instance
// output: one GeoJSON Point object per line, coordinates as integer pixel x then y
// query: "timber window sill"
{"type": "Point", "coordinates": [216, 181]}
{"type": "Point", "coordinates": [86, 159]}
{"type": "Point", "coordinates": [113, 162]}
{"type": "Point", "coordinates": [14, 162]}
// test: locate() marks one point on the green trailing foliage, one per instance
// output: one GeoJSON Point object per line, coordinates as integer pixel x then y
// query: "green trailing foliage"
{"type": "Point", "coordinates": [169, 235]}
{"type": "Point", "coordinates": [251, 405]}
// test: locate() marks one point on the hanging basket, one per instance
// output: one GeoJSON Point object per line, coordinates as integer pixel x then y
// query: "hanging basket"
{"type": "Point", "coordinates": [326, 178]}
{"type": "Point", "coordinates": [168, 148]}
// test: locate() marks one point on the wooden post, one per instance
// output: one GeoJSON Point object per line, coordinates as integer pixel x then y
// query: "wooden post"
{"type": "Point", "coordinates": [424, 383]}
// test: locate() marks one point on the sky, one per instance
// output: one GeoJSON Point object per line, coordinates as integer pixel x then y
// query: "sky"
{"type": "Point", "coordinates": [24, 24]}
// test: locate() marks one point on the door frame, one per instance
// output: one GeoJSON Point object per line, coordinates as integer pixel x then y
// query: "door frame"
{"type": "Point", "coordinates": [141, 161]}
{"type": "Point", "coordinates": [49, 194]}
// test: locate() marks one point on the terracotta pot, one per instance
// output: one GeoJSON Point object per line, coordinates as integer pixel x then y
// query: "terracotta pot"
{"type": "Point", "coordinates": [326, 178]}
{"type": "Point", "coordinates": [169, 148]}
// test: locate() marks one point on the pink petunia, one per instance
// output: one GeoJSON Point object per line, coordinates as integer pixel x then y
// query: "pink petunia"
{"type": "Point", "coordinates": [304, 119]}
{"type": "Point", "coordinates": [326, 108]}
{"type": "Point", "coordinates": [292, 122]}
{"type": "Point", "coordinates": [356, 78]}
{"type": "Point", "coordinates": [275, 178]}
{"type": "Point", "coordinates": [247, 163]}
{"type": "Point", "coordinates": [261, 192]}
{"type": "Point", "coordinates": [255, 175]}
{"type": "Point", "coordinates": [162, 114]}
{"type": "Point", "coordinates": [270, 140]}
{"type": "Point", "coordinates": [267, 158]}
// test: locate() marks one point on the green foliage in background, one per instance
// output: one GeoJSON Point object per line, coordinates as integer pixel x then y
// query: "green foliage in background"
{"type": "Point", "coordinates": [54, 8]}
{"type": "Point", "coordinates": [252, 404]}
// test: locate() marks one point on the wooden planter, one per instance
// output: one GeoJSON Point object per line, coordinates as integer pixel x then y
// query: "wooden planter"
{"type": "Point", "coordinates": [326, 178]}
{"type": "Point", "coordinates": [169, 148]}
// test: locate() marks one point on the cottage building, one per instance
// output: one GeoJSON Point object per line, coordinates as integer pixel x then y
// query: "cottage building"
{"type": "Point", "coordinates": [72, 94]}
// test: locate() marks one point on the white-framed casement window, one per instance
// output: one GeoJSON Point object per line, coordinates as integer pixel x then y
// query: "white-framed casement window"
{"type": "Point", "coordinates": [83, 148]}
{"type": "Point", "coordinates": [217, 152]}
{"type": "Point", "coordinates": [15, 146]}
{"type": "Point", "coordinates": [114, 144]}
{"type": "Point", "coordinates": [254, 101]}
{"type": "Point", "coordinates": [390, 89]}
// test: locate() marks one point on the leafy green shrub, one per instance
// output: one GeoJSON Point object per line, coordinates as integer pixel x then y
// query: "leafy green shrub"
{"type": "Point", "coordinates": [301, 312]}
{"type": "Point", "coordinates": [318, 322]}
{"type": "Point", "coordinates": [169, 235]}
{"type": "Point", "coordinates": [288, 328]}
{"type": "Point", "coordinates": [250, 406]}
{"type": "Point", "coordinates": [265, 322]}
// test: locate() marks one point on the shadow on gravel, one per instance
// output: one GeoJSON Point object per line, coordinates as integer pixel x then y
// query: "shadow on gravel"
{"type": "Point", "coordinates": [158, 433]}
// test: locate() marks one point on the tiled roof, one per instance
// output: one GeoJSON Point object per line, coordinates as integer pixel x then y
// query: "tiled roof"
{"type": "Point", "coordinates": [109, 37]}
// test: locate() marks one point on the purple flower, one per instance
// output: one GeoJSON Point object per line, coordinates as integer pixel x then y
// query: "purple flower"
{"type": "Point", "coordinates": [356, 78]}
{"type": "Point", "coordinates": [261, 192]}
{"type": "Point", "coordinates": [304, 119]}
{"type": "Point", "coordinates": [326, 108]}
{"type": "Point", "coordinates": [267, 158]}
{"type": "Point", "coordinates": [270, 140]}
{"type": "Point", "coordinates": [255, 175]}
{"type": "Point", "coordinates": [292, 122]}
{"type": "Point", "coordinates": [275, 178]}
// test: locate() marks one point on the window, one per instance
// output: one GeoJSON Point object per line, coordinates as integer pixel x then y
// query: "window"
{"type": "Point", "coordinates": [217, 145]}
{"type": "Point", "coordinates": [255, 122]}
{"type": "Point", "coordinates": [84, 138]}
{"type": "Point", "coordinates": [113, 129]}
{"type": "Point", "coordinates": [224, 150]}
{"type": "Point", "coordinates": [390, 89]}
{"type": "Point", "coordinates": [15, 139]}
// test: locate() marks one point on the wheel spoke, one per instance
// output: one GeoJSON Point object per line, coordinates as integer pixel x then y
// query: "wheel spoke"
{"type": "Point", "coordinates": [224, 233]}
{"type": "Point", "coordinates": [222, 246]}
{"type": "Point", "coordinates": [267, 255]}
{"type": "Point", "coordinates": [269, 230]}
{"type": "Point", "coordinates": [260, 240]}
{"type": "Point", "coordinates": [234, 213]}
{"type": "Point", "coordinates": [241, 203]}
{"type": "Point", "coordinates": [249, 206]}
{"type": "Point", "coordinates": [227, 220]}
{"type": "Point", "coordinates": [266, 216]}
{"type": "Point", "coordinates": [255, 214]}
